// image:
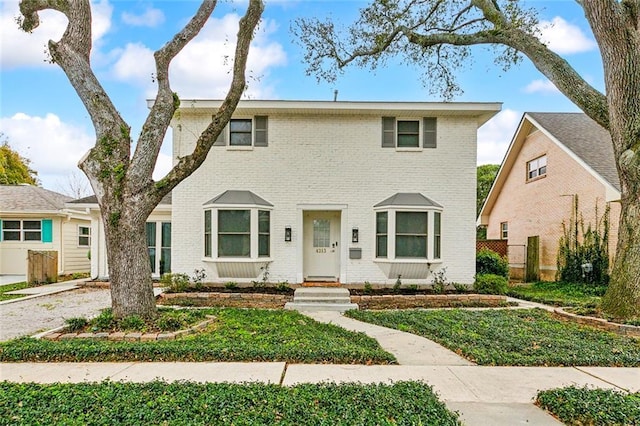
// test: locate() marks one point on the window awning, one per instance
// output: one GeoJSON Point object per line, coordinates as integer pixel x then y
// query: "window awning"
{"type": "Point", "coordinates": [408, 199]}
{"type": "Point", "coordinates": [232, 197]}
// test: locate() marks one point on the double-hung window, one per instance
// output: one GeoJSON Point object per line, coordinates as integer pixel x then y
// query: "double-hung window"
{"type": "Point", "coordinates": [409, 133]}
{"type": "Point", "coordinates": [237, 224]}
{"type": "Point", "coordinates": [537, 168]}
{"type": "Point", "coordinates": [245, 133]}
{"type": "Point", "coordinates": [411, 234]}
{"type": "Point", "coordinates": [84, 236]}
{"type": "Point", "coordinates": [504, 230]}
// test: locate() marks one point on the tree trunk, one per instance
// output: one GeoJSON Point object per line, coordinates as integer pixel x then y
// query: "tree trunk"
{"type": "Point", "coordinates": [129, 267]}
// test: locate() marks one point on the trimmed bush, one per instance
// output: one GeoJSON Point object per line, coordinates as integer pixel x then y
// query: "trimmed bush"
{"type": "Point", "coordinates": [490, 284]}
{"type": "Point", "coordinates": [490, 262]}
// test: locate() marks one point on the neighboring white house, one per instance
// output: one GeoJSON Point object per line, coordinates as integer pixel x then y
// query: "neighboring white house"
{"type": "Point", "coordinates": [330, 191]}
{"type": "Point", "coordinates": [34, 218]}
{"type": "Point", "coordinates": [158, 237]}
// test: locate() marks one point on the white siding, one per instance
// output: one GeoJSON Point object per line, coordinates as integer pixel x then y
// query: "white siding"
{"type": "Point", "coordinates": [76, 258]}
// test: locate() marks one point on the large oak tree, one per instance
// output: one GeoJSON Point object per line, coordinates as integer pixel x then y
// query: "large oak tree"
{"type": "Point", "coordinates": [437, 35]}
{"type": "Point", "coordinates": [122, 179]}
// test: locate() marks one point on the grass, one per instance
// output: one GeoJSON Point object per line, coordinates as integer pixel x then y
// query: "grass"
{"type": "Point", "coordinates": [235, 335]}
{"type": "Point", "coordinates": [12, 287]}
{"type": "Point", "coordinates": [583, 406]}
{"type": "Point", "coordinates": [108, 403]}
{"type": "Point", "coordinates": [512, 337]}
{"type": "Point", "coordinates": [559, 293]}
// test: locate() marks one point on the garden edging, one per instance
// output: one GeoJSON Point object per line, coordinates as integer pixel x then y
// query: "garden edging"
{"type": "Point", "coordinates": [600, 323]}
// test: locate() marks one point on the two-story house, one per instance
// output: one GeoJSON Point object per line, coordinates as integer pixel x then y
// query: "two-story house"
{"type": "Point", "coordinates": [343, 192]}
{"type": "Point", "coordinates": [552, 159]}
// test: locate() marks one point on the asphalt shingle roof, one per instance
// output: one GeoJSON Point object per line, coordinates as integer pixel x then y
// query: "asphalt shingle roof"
{"type": "Point", "coordinates": [28, 198]}
{"type": "Point", "coordinates": [585, 138]}
{"type": "Point", "coordinates": [93, 200]}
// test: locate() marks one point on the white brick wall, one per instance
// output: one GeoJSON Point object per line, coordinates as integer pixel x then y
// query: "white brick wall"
{"type": "Point", "coordinates": [331, 159]}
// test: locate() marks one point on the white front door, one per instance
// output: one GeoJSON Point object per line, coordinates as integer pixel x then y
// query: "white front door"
{"type": "Point", "coordinates": [321, 245]}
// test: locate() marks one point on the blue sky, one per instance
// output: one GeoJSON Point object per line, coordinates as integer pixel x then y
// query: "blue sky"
{"type": "Point", "coordinates": [44, 120]}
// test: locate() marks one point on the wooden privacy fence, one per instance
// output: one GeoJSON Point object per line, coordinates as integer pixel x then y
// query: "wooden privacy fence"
{"type": "Point", "coordinates": [499, 246]}
{"type": "Point", "coordinates": [42, 266]}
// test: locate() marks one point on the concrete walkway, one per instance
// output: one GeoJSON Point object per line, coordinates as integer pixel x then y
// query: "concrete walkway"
{"type": "Point", "coordinates": [482, 395]}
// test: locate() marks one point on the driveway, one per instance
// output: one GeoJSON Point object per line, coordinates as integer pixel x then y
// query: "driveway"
{"type": "Point", "coordinates": [31, 316]}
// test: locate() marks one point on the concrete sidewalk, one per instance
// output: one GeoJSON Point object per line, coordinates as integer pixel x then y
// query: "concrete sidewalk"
{"type": "Point", "coordinates": [482, 395]}
{"type": "Point", "coordinates": [44, 290]}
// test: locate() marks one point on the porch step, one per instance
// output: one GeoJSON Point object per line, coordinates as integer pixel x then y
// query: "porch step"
{"type": "Point", "coordinates": [321, 299]}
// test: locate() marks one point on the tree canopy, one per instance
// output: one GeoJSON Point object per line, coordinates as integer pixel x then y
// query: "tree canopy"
{"type": "Point", "coordinates": [486, 175]}
{"type": "Point", "coordinates": [14, 169]}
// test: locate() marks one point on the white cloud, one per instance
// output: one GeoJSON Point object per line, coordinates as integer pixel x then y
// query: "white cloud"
{"type": "Point", "coordinates": [495, 135]}
{"type": "Point", "coordinates": [149, 18]}
{"type": "Point", "coordinates": [20, 49]}
{"type": "Point", "coordinates": [541, 86]}
{"type": "Point", "coordinates": [203, 68]}
{"type": "Point", "coordinates": [563, 37]}
{"type": "Point", "coordinates": [54, 147]}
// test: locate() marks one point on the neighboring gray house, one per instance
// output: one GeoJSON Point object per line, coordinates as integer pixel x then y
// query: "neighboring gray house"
{"type": "Point", "coordinates": [34, 218]}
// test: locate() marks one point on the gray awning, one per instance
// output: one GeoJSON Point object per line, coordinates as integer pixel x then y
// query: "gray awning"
{"type": "Point", "coordinates": [408, 199]}
{"type": "Point", "coordinates": [238, 197]}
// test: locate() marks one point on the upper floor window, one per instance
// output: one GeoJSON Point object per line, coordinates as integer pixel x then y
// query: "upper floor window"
{"type": "Point", "coordinates": [84, 236]}
{"type": "Point", "coordinates": [537, 168]}
{"type": "Point", "coordinates": [402, 133]}
{"type": "Point", "coordinates": [245, 133]}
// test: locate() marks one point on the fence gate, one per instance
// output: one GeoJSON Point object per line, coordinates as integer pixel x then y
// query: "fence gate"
{"type": "Point", "coordinates": [42, 266]}
{"type": "Point", "coordinates": [533, 259]}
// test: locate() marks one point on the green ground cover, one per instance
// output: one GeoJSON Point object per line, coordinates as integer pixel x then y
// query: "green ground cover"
{"type": "Point", "coordinates": [581, 406]}
{"type": "Point", "coordinates": [235, 335]}
{"type": "Point", "coordinates": [559, 293]}
{"type": "Point", "coordinates": [188, 403]}
{"type": "Point", "coordinates": [11, 287]}
{"type": "Point", "coordinates": [522, 337]}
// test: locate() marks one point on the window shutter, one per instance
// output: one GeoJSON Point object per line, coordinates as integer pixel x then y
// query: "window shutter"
{"type": "Point", "coordinates": [261, 134]}
{"type": "Point", "coordinates": [47, 230]}
{"type": "Point", "coordinates": [429, 139]}
{"type": "Point", "coordinates": [388, 132]}
{"type": "Point", "coordinates": [222, 137]}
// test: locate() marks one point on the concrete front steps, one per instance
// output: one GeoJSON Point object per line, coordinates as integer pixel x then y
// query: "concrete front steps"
{"type": "Point", "coordinates": [321, 299]}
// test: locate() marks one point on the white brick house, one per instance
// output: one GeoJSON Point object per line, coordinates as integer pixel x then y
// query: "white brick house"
{"type": "Point", "coordinates": [330, 191]}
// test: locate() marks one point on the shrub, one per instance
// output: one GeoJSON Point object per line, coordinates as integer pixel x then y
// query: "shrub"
{"type": "Point", "coordinates": [175, 283]}
{"type": "Point", "coordinates": [367, 289]}
{"type": "Point", "coordinates": [231, 285]}
{"type": "Point", "coordinates": [490, 284]}
{"type": "Point", "coordinates": [76, 324]}
{"type": "Point", "coordinates": [104, 321]}
{"type": "Point", "coordinates": [283, 286]}
{"type": "Point", "coordinates": [461, 288]}
{"type": "Point", "coordinates": [440, 281]}
{"type": "Point", "coordinates": [132, 322]}
{"type": "Point", "coordinates": [490, 262]}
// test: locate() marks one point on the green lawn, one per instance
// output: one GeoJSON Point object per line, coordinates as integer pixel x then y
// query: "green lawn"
{"type": "Point", "coordinates": [512, 337]}
{"type": "Point", "coordinates": [582, 406]}
{"type": "Point", "coordinates": [236, 335]}
{"type": "Point", "coordinates": [188, 403]}
{"type": "Point", "coordinates": [559, 293]}
{"type": "Point", "coordinates": [11, 287]}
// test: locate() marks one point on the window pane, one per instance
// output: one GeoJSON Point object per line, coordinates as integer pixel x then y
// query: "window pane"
{"type": "Point", "coordinates": [411, 246]}
{"type": "Point", "coordinates": [152, 259]}
{"type": "Point", "coordinates": [263, 245]}
{"type": "Point", "coordinates": [240, 139]}
{"type": "Point", "coordinates": [408, 141]}
{"type": "Point", "coordinates": [234, 245]}
{"type": "Point", "coordinates": [207, 233]}
{"type": "Point", "coordinates": [321, 233]}
{"type": "Point", "coordinates": [10, 224]}
{"type": "Point", "coordinates": [436, 235]}
{"type": "Point", "coordinates": [31, 224]}
{"type": "Point", "coordinates": [83, 241]}
{"type": "Point", "coordinates": [32, 236]}
{"type": "Point", "coordinates": [240, 125]}
{"type": "Point", "coordinates": [207, 221]}
{"type": "Point", "coordinates": [84, 230]}
{"type": "Point", "coordinates": [381, 222]}
{"type": "Point", "coordinates": [408, 127]}
{"type": "Point", "coordinates": [166, 234]}
{"type": "Point", "coordinates": [11, 236]}
{"type": "Point", "coordinates": [151, 234]}
{"type": "Point", "coordinates": [234, 221]}
{"type": "Point", "coordinates": [411, 223]}
{"type": "Point", "coordinates": [381, 246]}
{"type": "Point", "coordinates": [263, 221]}
{"type": "Point", "coordinates": [165, 260]}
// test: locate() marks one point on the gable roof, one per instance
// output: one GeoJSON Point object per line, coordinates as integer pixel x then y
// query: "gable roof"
{"type": "Point", "coordinates": [93, 200]}
{"type": "Point", "coordinates": [585, 138]}
{"type": "Point", "coordinates": [578, 135]}
{"type": "Point", "coordinates": [29, 199]}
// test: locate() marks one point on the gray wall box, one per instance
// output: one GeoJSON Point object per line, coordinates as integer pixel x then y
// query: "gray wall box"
{"type": "Point", "coordinates": [355, 253]}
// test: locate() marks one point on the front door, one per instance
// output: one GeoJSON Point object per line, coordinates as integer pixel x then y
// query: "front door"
{"type": "Point", "coordinates": [321, 245]}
